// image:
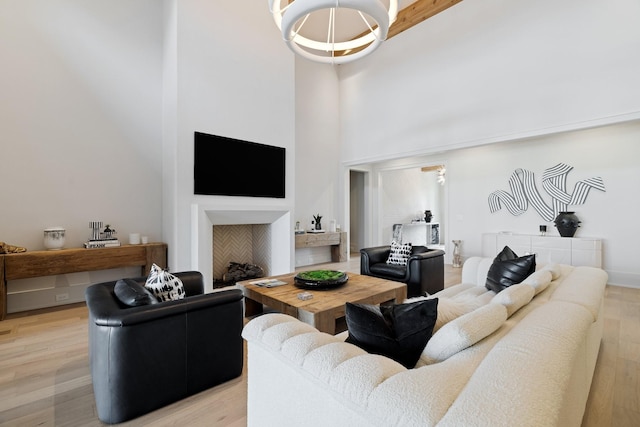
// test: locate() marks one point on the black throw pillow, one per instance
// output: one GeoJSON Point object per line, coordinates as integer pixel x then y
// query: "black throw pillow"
{"type": "Point", "coordinates": [133, 294]}
{"type": "Point", "coordinates": [509, 269]}
{"type": "Point", "coordinates": [399, 331]}
{"type": "Point", "coordinates": [506, 254]}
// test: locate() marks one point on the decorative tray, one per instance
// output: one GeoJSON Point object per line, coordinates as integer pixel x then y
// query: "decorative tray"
{"type": "Point", "coordinates": [320, 279]}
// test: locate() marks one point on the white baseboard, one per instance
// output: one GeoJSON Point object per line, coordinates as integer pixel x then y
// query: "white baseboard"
{"type": "Point", "coordinates": [624, 279]}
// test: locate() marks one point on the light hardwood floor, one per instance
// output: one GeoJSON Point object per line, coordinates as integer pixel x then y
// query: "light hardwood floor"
{"type": "Point", "coordinates": [45, 379]}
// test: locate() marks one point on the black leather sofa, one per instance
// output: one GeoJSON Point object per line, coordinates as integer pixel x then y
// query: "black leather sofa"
{"type": "Point", "coordinates": [424, 272]}
{"type": "Point", "coordinates": [143, 358]}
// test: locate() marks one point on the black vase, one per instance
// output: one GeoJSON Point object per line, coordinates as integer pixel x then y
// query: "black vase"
{"type": "Point", "coordinates": [567, 223]}
{"type": "Point", "coordinates": [427, 216]}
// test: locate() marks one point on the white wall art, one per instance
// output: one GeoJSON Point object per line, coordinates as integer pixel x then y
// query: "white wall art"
{"type": "Point", "coordinates": [554, 181]}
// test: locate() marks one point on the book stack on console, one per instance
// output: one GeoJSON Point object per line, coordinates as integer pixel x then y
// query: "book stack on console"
{"type": "Point", "coordinates": [99, 238]}
{"type": "Point", "coordinates": [102, 243]}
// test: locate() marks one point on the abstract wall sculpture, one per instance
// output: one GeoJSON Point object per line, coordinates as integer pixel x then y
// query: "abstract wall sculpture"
{"type": "Point", "coordinates": [554, 181]}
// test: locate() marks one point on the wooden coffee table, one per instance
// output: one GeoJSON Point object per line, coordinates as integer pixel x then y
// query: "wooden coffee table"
{"type": "Point", "coordinates": [327, 305]}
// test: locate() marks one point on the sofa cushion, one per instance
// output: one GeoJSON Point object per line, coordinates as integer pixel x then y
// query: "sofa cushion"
{"type": "Point", "coordinates": [462, 333]}
{"type": "Point", "coordinates": [540, 280]}
{"type": "Point", "coordinates": [398, 331]}
{"type": "Point", "coordinates": [133, 294]}
{"type": "Point", "coordinates": [164, 285]}
{"type": "Point", "coordinates": [389, 270]}
{"type": "Point", "coordinates": [515, 297]}
{"type": "Point", "coordinates": [508, 269]}
{"type": "Point", "coordinates": [399, 253]}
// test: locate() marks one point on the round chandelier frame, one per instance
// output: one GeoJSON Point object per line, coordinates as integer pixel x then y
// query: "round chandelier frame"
{"type": "Point", "coordinates": [291, 18]}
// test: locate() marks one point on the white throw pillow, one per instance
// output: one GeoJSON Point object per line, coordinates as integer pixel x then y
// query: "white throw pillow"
{"type": "Point", "coordinates": [164, 285]}
{"type": "Point", "coordinates": [400, 253]}
{"type": "Point", "coordinates": [514, 297]}
{"type": "Point", "coordinates": [462, 333]}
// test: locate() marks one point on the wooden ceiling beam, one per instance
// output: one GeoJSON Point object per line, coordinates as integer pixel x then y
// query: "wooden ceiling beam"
{"type": "Point", "coordinates": [418, 12]}
{"type": "Point", "coordinates": [411, 15]}
{"type": "Point", "coordinates": [431, 168]}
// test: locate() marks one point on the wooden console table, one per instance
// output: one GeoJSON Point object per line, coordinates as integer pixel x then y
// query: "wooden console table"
{"type": "Point", "coordinates": [50, 263]}
{"type": "Point", "coordinates": [337, 241]}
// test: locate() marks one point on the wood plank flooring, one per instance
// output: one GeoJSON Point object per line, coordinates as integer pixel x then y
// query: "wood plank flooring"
{"type": "Point", "coordinates": [45, 378]}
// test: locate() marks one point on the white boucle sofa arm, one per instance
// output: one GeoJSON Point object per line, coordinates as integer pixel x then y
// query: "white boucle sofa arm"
{"type": "Point", "coordinates": [475, 269]}
{"type": "Point", "coordinates": [345, 368]}
{"type": "Point", "coordinates": [524, 380]}
{"type": "Point", "coordinates": [584, 286]}
{"type": "Point", "coordinates": [344, 377]}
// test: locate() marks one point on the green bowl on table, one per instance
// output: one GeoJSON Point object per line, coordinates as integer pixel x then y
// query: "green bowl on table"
{"type": "Point", "coordinates": [320, 279]}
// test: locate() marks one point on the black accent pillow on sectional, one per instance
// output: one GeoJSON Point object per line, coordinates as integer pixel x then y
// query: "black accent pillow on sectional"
{"type": "Point", "coordinates": [399, 331]}
{"type": "Point", "coordinates": [509, 269]}
{"type": "Point", "coordinates": [133, 294]}
{"type": "Point", "coordinates": [506, 254]}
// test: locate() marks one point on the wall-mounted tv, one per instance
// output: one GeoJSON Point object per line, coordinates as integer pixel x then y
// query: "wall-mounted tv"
{"type": "Point", "coordinates": [232, 167]}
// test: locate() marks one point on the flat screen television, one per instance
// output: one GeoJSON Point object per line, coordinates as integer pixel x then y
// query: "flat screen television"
{"type": "Point", "coordinates": [231, 167]}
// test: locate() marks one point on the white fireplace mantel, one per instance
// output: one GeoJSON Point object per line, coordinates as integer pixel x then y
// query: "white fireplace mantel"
{"type": "Point", "coordinates": [205, 216]}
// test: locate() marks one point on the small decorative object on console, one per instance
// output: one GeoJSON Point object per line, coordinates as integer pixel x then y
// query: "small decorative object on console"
{"type": "Point", "coordinates": [543, 230]}
{"type": "Point", "coordinates": [6, 248]}
{"type": "Point", "coordinates": [567, 223]}
{"type": "Point", "coordinates": [316, 221]}
{"type": "Point", "coordinates": [320, 279]}
{"type": "Point", "coordinates": [298, 230]}
{"type": "Point", "coordinates": [101, 239]}
{"type": "Point", "coordinates": [54, 238]}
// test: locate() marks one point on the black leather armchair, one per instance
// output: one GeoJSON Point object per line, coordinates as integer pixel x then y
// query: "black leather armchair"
{"type": "Point", "coordinates": [424, 272]}
{"type": "Point", "coordinates": [145, 357]}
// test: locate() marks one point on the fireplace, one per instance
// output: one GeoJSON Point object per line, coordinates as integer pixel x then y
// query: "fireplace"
{"type": "Point", "coordinates": [220, 235]}
{"type": "Point", "coordinates": [242, 244]}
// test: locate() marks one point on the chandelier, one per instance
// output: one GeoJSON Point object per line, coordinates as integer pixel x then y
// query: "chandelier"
{"type": "Point", "coordinates": [301, 20]}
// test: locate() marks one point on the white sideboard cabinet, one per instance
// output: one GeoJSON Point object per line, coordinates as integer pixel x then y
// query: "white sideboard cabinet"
{"type": "Point", "coordinates": [563, 250]}
{"type": "Point", "coordinates": [418, 233]}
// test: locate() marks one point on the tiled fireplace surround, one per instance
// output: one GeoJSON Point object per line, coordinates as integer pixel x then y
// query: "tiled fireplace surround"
{"type": "Point", "coordinates": [261, 236]}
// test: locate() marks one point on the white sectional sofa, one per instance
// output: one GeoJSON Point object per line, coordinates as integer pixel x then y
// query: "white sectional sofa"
{"type": "Point", "coordinates": [522, 357]}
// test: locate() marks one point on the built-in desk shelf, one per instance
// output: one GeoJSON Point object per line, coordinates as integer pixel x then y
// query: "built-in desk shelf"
{"type": "Point", "coordinates": [563, 250]}
{"type": "Point", "coordinates": [50, 263]}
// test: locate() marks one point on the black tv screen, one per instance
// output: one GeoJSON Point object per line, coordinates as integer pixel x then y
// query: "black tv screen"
{"type": "Point", "coordinates": [232, 167]}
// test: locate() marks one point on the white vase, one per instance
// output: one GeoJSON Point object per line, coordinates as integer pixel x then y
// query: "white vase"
{"type": "Point", "coordinates": [54, 238]}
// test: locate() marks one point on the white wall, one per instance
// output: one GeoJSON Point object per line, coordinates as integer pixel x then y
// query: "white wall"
{"type": "Point", "coordinates": [317, 143]}
{"type": "Point", "coordinates": [521, 72]}
{"type": "Point", "coordinates": [317, 152]}
{"type": "Point", "coordinates": [405, 193]}
{"type": "Point", "coordinates": [80, 113]}
{"type": "Point", "coordinates": [227, 82]}
{"type": "Point", "coordinates": [492, 70]}
{"type": "Point", "coordinates": [609, 152]}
